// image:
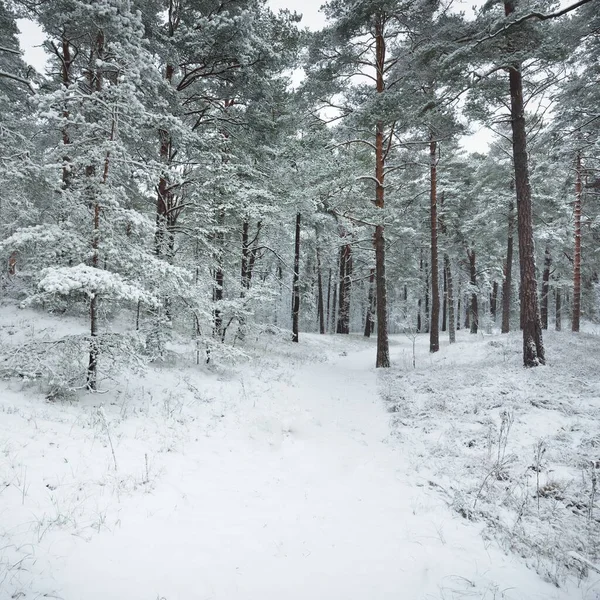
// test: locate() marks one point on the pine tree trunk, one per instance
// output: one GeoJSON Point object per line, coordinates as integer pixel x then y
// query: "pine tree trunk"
{"type": "Point", "coordinates": [533, 346]}
{"type": "Point", "coordinates": [383, 352]}
{"type": "Point", "coordinates": [458, 306]}
{"type": "Point", "coordinates": [244, 280]}
{"type": "Point", "coordinates": [426, 290]}
{"type": "Point", "coordinates": [67, 61]}
{"type": "Point", "coordinates": [507, 283]}
{"type": "Point", "coordinates": [434, 333]}
{"type": "Point", "coordinates": [332, 323]}
{"type": "Point", "coordinates": [90, 171]}
{"type": "Point", "coordinates": [577, 253]}
{"type": "Point", "coordinates": [320, 308]}
{"type": "Point", "coordinates": [420, 300]}
{"type": "Point", "coordinates": [474, 312]}
{"type": "Point", "coordinates": [451, 320]}
{"type": "Point", "coordinates": [328, 320]}
{"type": "Point", "coordinates": [218, 278]}
{"type": "Point", "coordinates": [92, 370]}
{"type": "Point", "coordinates": [343, 322]}
{"type": "Point", "coordinates": [296, 283]}
{"type": "Point", "coordinates": [370, 307]}
{"type": "Point", "coordinates": [445, 301]}
{"type": "Point", "coordinates": [545, 287]}
{"type": "Point", "coordinates": [558, 310]}
{"type": "Point", "coordinates": [383, 349]}
{"type": "Point", "coordinates": [494, 301]}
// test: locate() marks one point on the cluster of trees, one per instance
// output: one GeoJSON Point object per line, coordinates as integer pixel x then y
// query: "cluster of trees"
{"type": "Point", "coordinates": [165, 167]}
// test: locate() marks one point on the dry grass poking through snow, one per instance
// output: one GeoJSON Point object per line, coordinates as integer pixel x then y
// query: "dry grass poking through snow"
{"type": "Point", "coordinates": [516, 449]}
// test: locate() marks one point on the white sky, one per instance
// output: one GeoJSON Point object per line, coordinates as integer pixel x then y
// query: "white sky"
{"type": "Point", "coordinates": [309, 9]}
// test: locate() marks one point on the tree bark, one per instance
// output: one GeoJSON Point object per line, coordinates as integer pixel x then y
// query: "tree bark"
{"type": "Point", "coordinates": [577, 253]}
{"type": "Point", "coordinates": [332, 323]}
{"type": "Point", "coordinates": [370, 307]}
{"type": "Point", "coordinates": [558, 310]}
{"type": "Point", "coordinates": [445, 301]}
{"type": "Point", "coordinates": [494, 301]}
{"type": "Point", "coordinates": [296, 283]}
{"type": "Point", "coordinates": [434, 332]}
{"type": "Point", "coordinates": [383, 352]}
{"type": "Point", "coordinates": [474, 312]}
{"type": "Point", "coordinates": [345, 288]}
{"type": "Point", "coordinates": [451, 320]}
{"type": "Point", "coordinates": [328, 320]}
{"type": "Point", "coordinates": [218, 278]}
{"type": "Point", "coordinates": [458, 306]}
{"type": "Point", "coordinates": [545, 287]}
{"type": "Point", "coordinates": [320, 308]}
{"type": "Point", "coordinates": [66, 63]}
{"type": "Point", "coordinates": [96, 79]}
{"type": "Point", "coordinates": [420, 299]}
{"type": "Point", "coordinates": [533, 346]}
{"type": "Point", "coordinates": [507, 283]}
{"type": "Point", "coordinates": [426, 318]}
{"type": "Point", "coordinates": [383, 349]}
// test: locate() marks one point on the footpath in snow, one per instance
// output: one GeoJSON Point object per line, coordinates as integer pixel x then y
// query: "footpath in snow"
{"type": "Point", "coordinates": [280, 480]}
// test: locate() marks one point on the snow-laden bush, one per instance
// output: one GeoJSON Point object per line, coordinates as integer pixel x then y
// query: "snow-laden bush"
{"type": "Point", "coordinates": [58, 366]}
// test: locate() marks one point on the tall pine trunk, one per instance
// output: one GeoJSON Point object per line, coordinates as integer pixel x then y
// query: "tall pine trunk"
{"type": "Point", "coordinates": [445, 301]}
{"type": "Point", "coordinates": [577, 252]}
{"type": "Point", "coordinates": [66, 63]}
{"type": "Point", "coordinates": [494, 301]}
{"type": "Point", "coordinates": [451, 319]}
{"type": "Point", "coordinates": [345, 288]}
{"type": "Point", "coordinates": [328, 318]}
{"type": "Point", "coordinates": [474, 312]}
{"type": "Point", "coordinates": [507, 283]}
{"type": "Point", "coordinates": [296, 283]}
{"type": "Point", "coordinates": [545, 287]}
{"type": "Point", "coordinates": [218, 276]}
{"type": "Point", "coordinates": [434, 333]}
{"type": "Point", "coordinates": [370, 307]}
{"type": "Point", "coordinates": [320, 307]}
{"type": "Point", "coordinates": [558, 310]}
{"type": "Point", "coordinates": [96, 81]}
{"type": "Point", "coordinates": [533, 346]}
{"type": "Point", "coordinates": [459, 295]}
{"type": "Point", "coordinates": [426, 292]}
{"type": "Point", "coordinates": [383, 348]}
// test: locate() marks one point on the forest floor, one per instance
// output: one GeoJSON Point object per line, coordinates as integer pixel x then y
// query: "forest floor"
{"type": "Point", "coordinates": [304, 473]}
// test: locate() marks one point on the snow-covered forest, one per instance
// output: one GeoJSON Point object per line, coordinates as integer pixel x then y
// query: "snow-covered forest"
{"type": "Point", "coordinates": [270, 328]}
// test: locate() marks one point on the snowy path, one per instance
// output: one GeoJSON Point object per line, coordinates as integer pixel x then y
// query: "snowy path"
{"type": "Point", "coordinates": [297, 494]}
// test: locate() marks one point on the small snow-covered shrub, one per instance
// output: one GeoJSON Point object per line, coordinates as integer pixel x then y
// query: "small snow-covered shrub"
{"type": "Point", "coordinates": [58, 366]}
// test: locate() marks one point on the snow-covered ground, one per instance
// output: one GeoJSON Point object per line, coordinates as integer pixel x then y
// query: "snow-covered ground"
{"type": "Point", "coordinates": [306, 474]}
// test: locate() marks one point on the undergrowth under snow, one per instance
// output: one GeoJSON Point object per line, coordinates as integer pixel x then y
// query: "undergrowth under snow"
{"type": "Point", "coordinates": [305, 473]}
